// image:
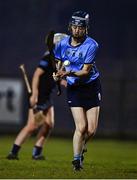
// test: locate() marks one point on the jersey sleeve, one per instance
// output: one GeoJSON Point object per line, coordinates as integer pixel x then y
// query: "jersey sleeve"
{"type": "Point", "coordinates": [44, 62]}
{"type": "Point", "coordinates": [91, 53]}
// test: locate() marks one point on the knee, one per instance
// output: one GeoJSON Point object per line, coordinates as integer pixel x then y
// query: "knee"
{"type": "Point", "coordinates": [51, 125]}
{"type": "Point", "coordinates": [81, 129]}
{"type": "Point", "coordinates": [30, 128]}
{"type": "Point", "coordinates": [91, 132]}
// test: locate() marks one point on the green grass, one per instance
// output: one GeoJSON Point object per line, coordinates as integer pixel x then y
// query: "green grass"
{"type": "Point", "coordinates": [105, 159]}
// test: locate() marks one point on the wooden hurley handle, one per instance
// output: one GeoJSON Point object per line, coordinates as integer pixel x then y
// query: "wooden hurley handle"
{"type": "Point", "coordinates": [22, 67]}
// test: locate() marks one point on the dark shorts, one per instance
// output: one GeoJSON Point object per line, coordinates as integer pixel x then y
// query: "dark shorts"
{"type": "Point", "coordinates": [86, 96]}
{"type": "Point", "coordinates": [44, 102]}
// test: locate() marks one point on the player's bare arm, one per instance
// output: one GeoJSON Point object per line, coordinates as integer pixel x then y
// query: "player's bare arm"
{"type": "Point", "coordinates": [84, 72]}
{"type": "Point", "coordinates": [35, 85]}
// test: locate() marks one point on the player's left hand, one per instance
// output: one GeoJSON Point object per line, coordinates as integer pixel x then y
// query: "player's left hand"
{"type": "Point", "coordinates": [63, 82]}
{"type": "Point", "coordinates": [62, 74]}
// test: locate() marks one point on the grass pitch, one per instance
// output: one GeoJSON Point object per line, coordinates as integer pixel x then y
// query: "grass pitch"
{"type": "Point", "coordinates": [105, 159]}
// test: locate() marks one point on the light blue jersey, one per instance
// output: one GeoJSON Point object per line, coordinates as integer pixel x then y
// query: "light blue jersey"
{"type": "Point", "coordinates": [78, 56]}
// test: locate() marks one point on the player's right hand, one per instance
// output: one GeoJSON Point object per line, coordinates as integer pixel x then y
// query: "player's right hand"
{"type": "Point", "coordinates": [33, 100]}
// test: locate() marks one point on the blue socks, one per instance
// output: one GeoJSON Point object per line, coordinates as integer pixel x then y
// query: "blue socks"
{"type": "Point", "coordinates": [77, 157]}
{"type": "Point", "coordinates": [37, 151]}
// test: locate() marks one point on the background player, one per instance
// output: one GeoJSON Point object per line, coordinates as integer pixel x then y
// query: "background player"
{"type": "Point", "coordinates": [83, 89]}
{"type": "Point", "coordinates": [42, 87]}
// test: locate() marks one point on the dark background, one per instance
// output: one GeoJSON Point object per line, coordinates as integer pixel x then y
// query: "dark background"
{"type": "Point", "coordinates": [113, 24]}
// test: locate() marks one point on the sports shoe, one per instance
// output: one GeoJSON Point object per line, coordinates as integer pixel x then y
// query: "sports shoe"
{"type": "Point", "coordinates": [82, 157]}
{"type": "Point", "coordinates": [38, 157]}
{"type": "Point", "coordinates": [12, 156]}
{"type": "Point", "coordinates": [77, 165]}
